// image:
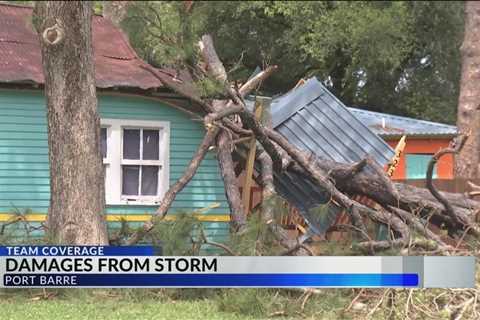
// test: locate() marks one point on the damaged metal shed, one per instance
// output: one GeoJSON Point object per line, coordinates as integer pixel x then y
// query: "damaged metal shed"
{"type": "Point", "coordinates": [314, 120]}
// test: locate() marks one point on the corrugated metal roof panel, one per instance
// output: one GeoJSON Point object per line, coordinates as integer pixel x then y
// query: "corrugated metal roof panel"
{"type": "Point", "coordinates": [388, 125]}
{"type": "Point", "coordinates": [305, 196]}
{"type": "Point", "coordinates": [116, 63]}
{"type": "Point", "coordinates": [315, 120]}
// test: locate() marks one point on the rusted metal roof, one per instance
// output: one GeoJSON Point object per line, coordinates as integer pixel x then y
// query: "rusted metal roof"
{"type": "Point", "coordinates": [116, 63]}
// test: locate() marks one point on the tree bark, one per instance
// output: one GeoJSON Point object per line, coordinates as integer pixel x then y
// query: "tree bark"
{"type": "Point", "coordinates": [371, 182]}
{"type": "Point", "coordinates": [468, 116]}
{"type": "Point", "coordinates": [115, 11]}
{"type": "Point", "coordinates": [237, 212]}
{"type": "Point", "coordinates": [76, 170]}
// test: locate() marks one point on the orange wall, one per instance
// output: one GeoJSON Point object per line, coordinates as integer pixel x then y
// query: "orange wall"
{"type": "Point", "coordinates": [428, 146]}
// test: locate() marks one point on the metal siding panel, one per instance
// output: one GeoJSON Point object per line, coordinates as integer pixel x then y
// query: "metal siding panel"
{"type": "Point", "coordinates": [305, 195]}
{"type": "Point", "coordinates": [293, 103]}
{"type": "Point", "coordinates": [293, 138]}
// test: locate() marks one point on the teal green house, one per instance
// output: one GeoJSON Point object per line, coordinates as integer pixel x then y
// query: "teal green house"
{"type": "Point", "coordinates": [148, 135]}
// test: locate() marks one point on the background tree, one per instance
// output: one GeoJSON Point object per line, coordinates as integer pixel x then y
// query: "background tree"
{"type": "Point", "coordinates": [468, 120]}
{"type": "Point", "coordinates": [396, 57]}
{"type": "Point", "coordinates": [76, 170]}
{"type": "Point", "coordinates": [173, 28]}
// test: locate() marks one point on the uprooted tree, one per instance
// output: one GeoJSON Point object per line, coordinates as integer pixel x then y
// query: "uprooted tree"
{"type": "Point", "coordinates": [407, 210]}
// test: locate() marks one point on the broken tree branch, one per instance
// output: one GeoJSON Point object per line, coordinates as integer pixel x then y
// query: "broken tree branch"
{"type": "Point", "coordinates": [255, 81]}
{"type": "Point", "coordinates": [396, 224]}
{"type": "Point", "coordinates": [420, 227]}
{"type": "Point", "coordinates": [268, 195]}
{"type": "Point", "coordinates": [204, 240]}
{"type": "Point", "coordinates": [364, 178]}
{"type": "Point", "coordinates": [168, 198]}
{"type": "Point", "coordinates": [225, 161]}
{"type": "Point", "coordinates": [455, 147]}
{"type": "Point", "coordinates": [214, 65]}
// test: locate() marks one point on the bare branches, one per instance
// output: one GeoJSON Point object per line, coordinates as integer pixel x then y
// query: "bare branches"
{"type": "Point", "coordinates": [420, 227]}
{"type": "Point", "coordinates": [183, 88]}
{"type": "Point", "coordinates": [226, 248]}
{"type": "Point", "coordinates": [454, 148]}
{"type": "Point", "coordinates": [396, 224]}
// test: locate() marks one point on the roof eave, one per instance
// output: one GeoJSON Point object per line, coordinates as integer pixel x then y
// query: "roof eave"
{"type": "Point", "coordinates": [419, 136]}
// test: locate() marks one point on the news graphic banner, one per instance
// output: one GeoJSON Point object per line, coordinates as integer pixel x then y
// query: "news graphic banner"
{"type": "Point", "coordinates": [142, 267]}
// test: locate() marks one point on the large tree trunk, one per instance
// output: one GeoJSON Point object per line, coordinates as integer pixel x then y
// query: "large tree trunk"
{"type": "Point", "coordinates": [468, 117]}
{"type": "Point", "coordinates": [76, 170]}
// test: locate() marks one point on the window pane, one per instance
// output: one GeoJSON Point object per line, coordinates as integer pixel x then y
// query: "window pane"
{"type": "Point", "coordinates": [131, 144]}
{"type": "Point", "coordinates": [149, 180]}
{"type": "Point", "coordinates": [150, 144]}
{"type": "Point", "coordinates": [130, 180]}
{"type": "Point", "coordinates": [417, 165]}
{"type": "Point", "coordinates": [103, 142]}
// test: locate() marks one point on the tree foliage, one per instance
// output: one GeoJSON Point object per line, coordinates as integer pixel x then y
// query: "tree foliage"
{"type": "Point", "coordinates": [396, 57]}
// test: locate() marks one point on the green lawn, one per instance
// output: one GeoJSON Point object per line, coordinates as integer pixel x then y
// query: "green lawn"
{"type": "Point", "coordinates": [97, 307]}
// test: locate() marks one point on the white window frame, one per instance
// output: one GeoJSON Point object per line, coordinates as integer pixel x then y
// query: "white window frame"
{"type": "Point", "coordinates": [114, 160]}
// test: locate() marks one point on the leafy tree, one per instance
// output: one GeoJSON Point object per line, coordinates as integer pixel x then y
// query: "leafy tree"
{"type": "Point", "coordinates": [397, 57]}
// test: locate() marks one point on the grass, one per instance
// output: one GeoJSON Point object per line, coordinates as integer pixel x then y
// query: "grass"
{"type": "Point", "coordinates": [102, 305]}
{"type": "Point", "coordinates": [239, 304]}
{"type": "Point", "coordinates": [235, 304]}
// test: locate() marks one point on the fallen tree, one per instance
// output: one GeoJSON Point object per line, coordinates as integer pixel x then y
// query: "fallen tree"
{"type": "Point", "coordinates": [405, 209]}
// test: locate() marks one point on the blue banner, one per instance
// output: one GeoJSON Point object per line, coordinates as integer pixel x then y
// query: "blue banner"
{"type": "Point", "coordinates": [213, 280]}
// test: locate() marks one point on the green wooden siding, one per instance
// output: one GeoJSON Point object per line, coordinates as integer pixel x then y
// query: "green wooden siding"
{"type": "Point", "coordinates": [417, 165]}
{"type": "Point", "coordinates": [24, 169]}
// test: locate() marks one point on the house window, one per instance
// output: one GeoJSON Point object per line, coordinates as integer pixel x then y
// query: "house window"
{"type": "Point", "coordinates": [417, 165]}
{"type": "Point", "coordinates": [136, 159]}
